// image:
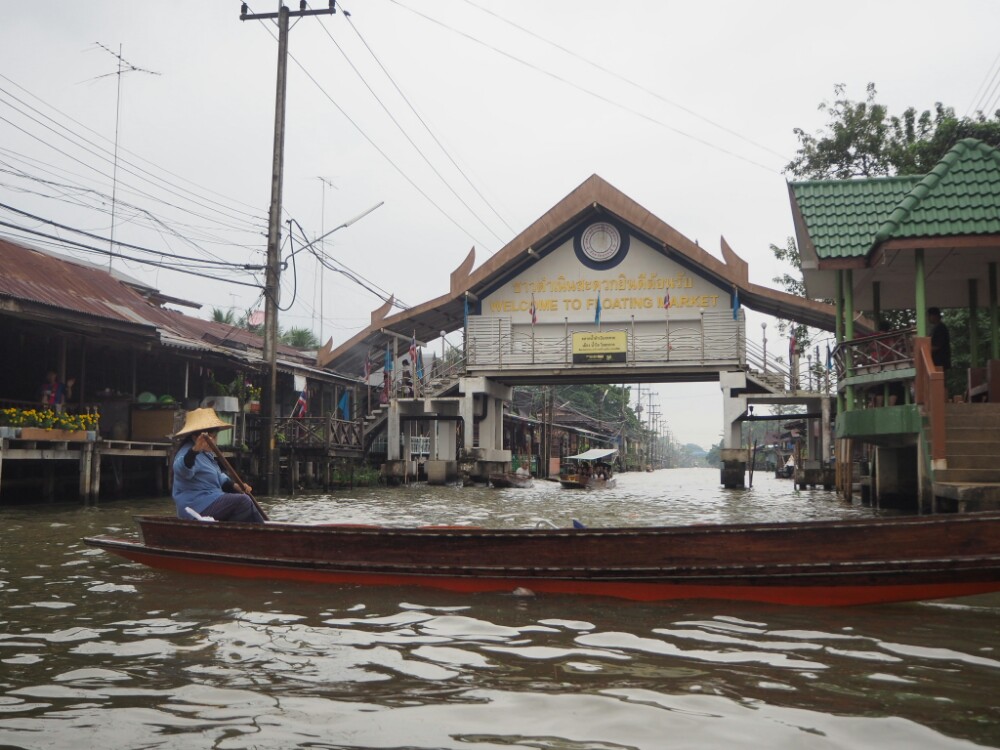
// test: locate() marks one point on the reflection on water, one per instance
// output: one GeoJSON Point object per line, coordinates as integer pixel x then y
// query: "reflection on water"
{"type": "Point", "coordinates": [100, 652]}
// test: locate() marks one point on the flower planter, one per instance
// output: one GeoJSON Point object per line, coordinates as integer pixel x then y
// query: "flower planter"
{"type": "Point", "coordinates": [253, 407]}
{"type": "Point", "coordinates": [7, 431]}
{"type": "Point", "coordinates": [40, 433]}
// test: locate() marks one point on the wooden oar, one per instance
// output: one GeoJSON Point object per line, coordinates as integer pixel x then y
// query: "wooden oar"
{"type": "Point", "coordinates": [228, 468]}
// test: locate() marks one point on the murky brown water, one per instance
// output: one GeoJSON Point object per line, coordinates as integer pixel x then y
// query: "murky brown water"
{"type": "Point", "coordinates": [97, 652]}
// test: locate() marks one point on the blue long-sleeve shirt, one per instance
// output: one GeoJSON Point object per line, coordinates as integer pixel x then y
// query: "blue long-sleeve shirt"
{"type": "Point", "coordinates": [198, 480]}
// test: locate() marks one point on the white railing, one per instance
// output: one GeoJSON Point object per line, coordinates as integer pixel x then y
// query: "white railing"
{"type": "Point", "coordinates": [712, 338]}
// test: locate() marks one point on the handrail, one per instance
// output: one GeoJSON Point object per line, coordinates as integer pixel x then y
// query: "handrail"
{"type": "Point", "coordinates": [930, 395]}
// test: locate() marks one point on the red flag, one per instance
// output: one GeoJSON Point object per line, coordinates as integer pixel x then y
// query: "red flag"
{"type": "Point", "coordinates": [533, 310]}
{"type": "Point", "coordinates": [666, 301]}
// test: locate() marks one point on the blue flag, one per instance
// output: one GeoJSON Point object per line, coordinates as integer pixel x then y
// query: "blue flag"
{"type": "Point", "coordinates": [829, 358]}
{"type": "Point", "coordinates": [597, 314]}
{"type": "Point", "coordinates": [345, 405]}
{"type": "Point", "coordinates": [388, 360]}
{"type": "Point", "coordinates": [466, 319]}
{"type": "Point", "coordinates": [736, 303]}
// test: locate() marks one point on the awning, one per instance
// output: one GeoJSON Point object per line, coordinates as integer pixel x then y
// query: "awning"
{"type": "Point", "coordinates": [594, 454]}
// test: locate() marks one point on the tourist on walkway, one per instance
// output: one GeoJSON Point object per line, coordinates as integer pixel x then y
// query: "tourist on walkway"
{"type": "Point", "coordinates": [199, 484]}
{"type": "Point", "coordinates": [940, 339]}
{"type": "Point", "coordinates": [55, 394]}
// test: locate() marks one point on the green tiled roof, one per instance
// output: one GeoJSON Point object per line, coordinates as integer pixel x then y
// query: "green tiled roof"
{"type": "Point", "coordinates": [960, 196]}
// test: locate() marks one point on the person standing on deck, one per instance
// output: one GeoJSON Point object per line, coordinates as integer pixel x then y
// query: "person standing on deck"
{"type": "Point", "coordinates": [940, 339]}
{"type": "Point", "coordinates": [199, 484]}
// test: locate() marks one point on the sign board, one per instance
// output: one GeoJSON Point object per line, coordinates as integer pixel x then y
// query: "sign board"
{"type": "Point", "coordinates": [599, 347]}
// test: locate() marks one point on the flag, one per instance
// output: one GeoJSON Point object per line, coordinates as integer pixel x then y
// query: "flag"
{"type": "Point", "coordinates": [420, 364]}
{"type": "Point", "coordinates": [345, 405]}
{"type": "Point", "coordinates": [666, 301]}
{"type": "Point", "coordinates": [301, 406]}
{"type": "Point", "coordinates": [829, 358]}
{"type": "Point", "coordinates": [388, 360]}
{"type": "Point", "coordinates": [533, 310]}
{"type": "Point", "coordinates": [368, 365]}
{"type": "Point", "coordinates": [465, 320]}
{"type": "Point", "coordinates": [736, 303]}
{"type": "Point", "coordinates": [413, 350]}
{"type": "Point", "coordinates": [817, 355]}
{"type": "Point", "coordinates": [597, 314]}
{"type": "Point", "coordinates": [791, 347]}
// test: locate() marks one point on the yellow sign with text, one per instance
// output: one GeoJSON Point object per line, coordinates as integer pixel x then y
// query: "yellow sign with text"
{"type": "Point", "coordinates": [599, 347]}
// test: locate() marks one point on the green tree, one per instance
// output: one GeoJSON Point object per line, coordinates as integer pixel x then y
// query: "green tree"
{"type": "Point", "coordinates": [223, 316]}
{"type": "Point", "coordinates": [300, 338]}
{"type": "Point", "coordinates": [862, 139]}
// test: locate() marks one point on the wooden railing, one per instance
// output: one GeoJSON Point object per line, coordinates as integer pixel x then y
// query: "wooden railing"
{"type": "Point", "coordinates": [892, 350]}
{"type": "Point", "coordinates": [930, 396]}
{"type": "Point", "coordinates": [311, 432]}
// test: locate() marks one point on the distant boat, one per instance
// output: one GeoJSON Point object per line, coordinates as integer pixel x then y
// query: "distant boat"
{"type": "Point", "coordinates": [511, 479]}
{"type": "Point", "coordinates": [821, 563]}
{"type": "Point", "coordinates": [588, 470]}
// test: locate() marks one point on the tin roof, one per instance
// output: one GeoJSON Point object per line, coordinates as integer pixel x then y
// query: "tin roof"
{"type": "Point", "coordinates": [58, 288]}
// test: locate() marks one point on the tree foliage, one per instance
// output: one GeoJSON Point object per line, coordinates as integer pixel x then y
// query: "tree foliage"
{"type": "Point", "coordinates": [861, 139]}
{"type": "Point", "coordinates": [300, 338]}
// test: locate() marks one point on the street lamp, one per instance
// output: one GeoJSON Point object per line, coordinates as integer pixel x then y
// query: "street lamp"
{"type": "Point", "coordinates": [763, 330]}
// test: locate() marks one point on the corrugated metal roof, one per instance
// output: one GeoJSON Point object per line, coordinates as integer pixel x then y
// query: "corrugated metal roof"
{"type": "Point", "coordinates": [960, 196]}
{"type": "Point", "coordinates": [76, 288]}
{"type": "Point", "coordinates": [30, 275]}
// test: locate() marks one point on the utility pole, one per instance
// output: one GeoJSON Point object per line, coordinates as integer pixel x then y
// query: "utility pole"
{"type": "Point", "coordinates": [272, 287]}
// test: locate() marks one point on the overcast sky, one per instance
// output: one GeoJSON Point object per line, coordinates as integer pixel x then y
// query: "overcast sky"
{"type": "Point", "coordinates": [490, 114]}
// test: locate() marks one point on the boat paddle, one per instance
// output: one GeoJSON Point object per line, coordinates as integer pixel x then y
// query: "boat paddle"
{"type": "Point", "coordinates": [228, 468]}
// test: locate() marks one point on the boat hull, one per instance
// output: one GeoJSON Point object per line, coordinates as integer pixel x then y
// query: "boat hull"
{"type": "Point", "coordinates": [814, 563]}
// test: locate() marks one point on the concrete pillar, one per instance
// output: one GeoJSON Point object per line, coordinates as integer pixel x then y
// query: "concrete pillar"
{"type": "Point", "coordinates": [734, 406]}
{"type": "Point", "coordinates": [392, 431]}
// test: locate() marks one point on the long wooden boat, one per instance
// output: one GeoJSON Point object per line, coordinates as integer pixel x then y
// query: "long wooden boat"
{"type": "Point", "coordinates": [585, 482]}
{"type": "Point", "coordinates": [511, 479]}
{"type": "Point", "coordinates": [588, 470]}
{"type": "Point", "coordinates": [844, 562]}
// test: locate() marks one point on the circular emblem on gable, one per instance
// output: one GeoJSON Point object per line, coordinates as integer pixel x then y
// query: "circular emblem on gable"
{"type": "Point", "coordinates": [601, 242]}
{"type": "Point", "coordinates": [602, 245]}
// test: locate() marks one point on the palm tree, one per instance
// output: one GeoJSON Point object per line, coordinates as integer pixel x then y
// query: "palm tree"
{"type": "Point", "coordinates": [224, 316]}
{"type": "Point", "coordinates": [300, 338]}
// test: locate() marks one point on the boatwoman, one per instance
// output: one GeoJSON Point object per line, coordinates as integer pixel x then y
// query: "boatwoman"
{"type": "Point", "coordinates": [199, 483]}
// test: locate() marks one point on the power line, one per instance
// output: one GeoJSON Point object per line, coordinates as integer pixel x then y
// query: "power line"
{"type": "Point", "coordinates": [99, 251]}
{"type": "Point", "coordinates": [629, 81]}
{"type": "Point", "coordinates": [583, 89]}
{"type": "Point", "coordinates": [423, 122]}
{"type": "Point", "coordinates": [382, 153]}
{"type": "Point", "coordinates": [172, 256]}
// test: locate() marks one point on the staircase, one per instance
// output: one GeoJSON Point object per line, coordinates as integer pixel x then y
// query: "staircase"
{"type": "Point", "coordinates": [972, 480]}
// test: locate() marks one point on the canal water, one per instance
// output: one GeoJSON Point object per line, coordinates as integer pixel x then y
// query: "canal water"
{"type": "Point", "coordinates": [97, 652]}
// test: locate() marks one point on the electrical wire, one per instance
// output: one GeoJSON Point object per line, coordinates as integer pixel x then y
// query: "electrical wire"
{"type": "Point", "coordinates": [625, 79]}
{"type": "Point", "coordinates": [584, 89]}
{"type": "Point", "coordinates": [423, 122]}
{"type": "Point", "coordinates": [377, 148]}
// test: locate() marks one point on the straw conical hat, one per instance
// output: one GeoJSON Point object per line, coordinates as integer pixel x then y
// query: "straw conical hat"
{"type": "Point", "coordinates": [200, 420]}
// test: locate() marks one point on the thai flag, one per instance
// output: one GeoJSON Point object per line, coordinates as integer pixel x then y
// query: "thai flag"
{"type": "Point", "coordinates": [413, 350]}
{"type": "Point", "coordinates": [597, 314]}
{"type": "Point", "coordinates": [301, 406]}
{"type": "Point", "coordinates": [791, 348]}
{"type": "Point", "coordinates": [533, 310]}
{"type": "Point", "coordinates": [666, 301]}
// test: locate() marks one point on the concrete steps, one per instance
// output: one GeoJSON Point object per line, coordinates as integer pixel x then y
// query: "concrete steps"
{"type": "Point", "coordinates": [972, 479]}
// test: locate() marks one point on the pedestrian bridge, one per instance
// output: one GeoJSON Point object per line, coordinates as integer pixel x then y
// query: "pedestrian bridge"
{"type": "Point", "coordinates": [598, 290]}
